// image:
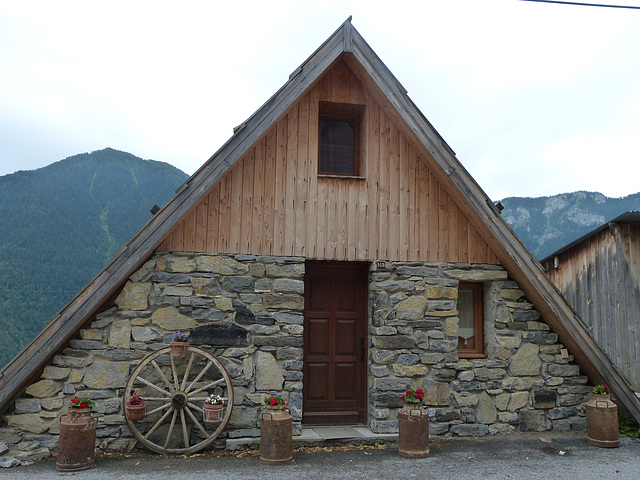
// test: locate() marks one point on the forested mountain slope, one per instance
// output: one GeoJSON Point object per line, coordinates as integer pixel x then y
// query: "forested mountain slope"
{"type": "Point", "coordinates": [61, 224]}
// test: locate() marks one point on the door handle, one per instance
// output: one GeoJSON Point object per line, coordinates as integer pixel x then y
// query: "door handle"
{"type": "Point", "coordinates": [362, 349]}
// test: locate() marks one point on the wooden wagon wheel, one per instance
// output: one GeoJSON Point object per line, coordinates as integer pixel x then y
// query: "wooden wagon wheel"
{"type": "Point", "coordinates": [175, 390]}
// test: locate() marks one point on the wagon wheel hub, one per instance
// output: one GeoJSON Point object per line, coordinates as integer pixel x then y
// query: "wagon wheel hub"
{"type": "Point", "coordinates": [179, 400]}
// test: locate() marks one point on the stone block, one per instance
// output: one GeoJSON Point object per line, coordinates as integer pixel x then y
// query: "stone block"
{"type": "Point", "coordinates": [470, 430]}
{"type": "Point", "coordinates": [534, 421]}
{"type": "Point", "coordinates": [52, 403]}
{"type": "Point", "coordinates": [168, 318]}
{"type": "Point", "coordinates": [56, 373]}
{"type": "Point", "coordinates": [273, 341]}
{"type": "Point", "coordinates": [410, 370]}
{"type": "Point", "coordinates": [238, 284]}
{"type": "Point", "coordinates": [394, 384]}
{"type": "Point", "coordinates": [220, 265]}
{"type": "Point", "coordinates": [91, 334]}
{"type": "Point", "coordinates": [393, 286]}
{"type": "Point", "coordinates": [559, 413]}
{"type": "Point", "coordinates": [540, 338]}
{"type": "Point", "coordinates": [408, 359]}
{"type": "Point", "coordinates": [438, 428]}
{"type": "Point", "coordinates": [412, 308]}
{"type": "Point", "coordinates": [476, 275]}
{"type": "Point", "coordinates": [28, 422]}
{"type": "Point", "coordinates": [517, 401]}
{"type": "Point", "coordinates": [557, 370]}
{"type": "Point", "coordinates": [384, 426]}
{"type": "Point", "coordinates": [282, 301]}
{"type": "Point", "coordinates": [436, 393]}
{"type": "Point", "coordinates": [544, 398]}
{"type": "Point", "coordinates": [525, 362]}
{"type": "Point", "coordinates": [502, 401]}
{"type": "Point", "coordinates": [27, 405]}
{"type": "Point", "coordinates": [206, 287]}
{"type": "Point", "coordinates": [500, 429]}
{"type": "Point", "coordinates": [102, 375]}
{"type": "Point", "coordinates": [120, 334]}
{"type": "Point", "coordinates": [290, 271]}
{"type": "Point", "coordinates": [134, 296]}
{"type": "Point", "coordinates": [178, 291]}
{"type": "Point", "coordinates": [393, 342]}
{"type": "Point", "coordinates": [290, 318]}
{"type": "Point", "coordinates": [288, 285]}
{"type": "Point", "coordinates": [225, 334]}
{"type": "Point", "coordinates": [483, 374]}
{"type": "Point", "coordinates": [145, 334]}
{"type": "Point", "coordinates": [485, 411]}
{"type": "Point", "coordinates": [44, 388]}
{"type": "Point", "coordinates": [269, 375]}
{"type": "Point", "coordinates": [464, 399]}
{"type": "Point", "coordinates": [289, 353]}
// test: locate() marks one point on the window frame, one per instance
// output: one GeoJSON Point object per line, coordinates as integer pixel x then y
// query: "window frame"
{"type": "Point", "coordinates": [478, 313]}
{"type": "Point", "coordinates": [342, 111]}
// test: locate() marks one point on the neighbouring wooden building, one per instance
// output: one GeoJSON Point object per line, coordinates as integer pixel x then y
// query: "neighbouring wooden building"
{"type": "Point", "coordinates": [599, 275]}
{"type": "Point", "coordinates": [335, 252]}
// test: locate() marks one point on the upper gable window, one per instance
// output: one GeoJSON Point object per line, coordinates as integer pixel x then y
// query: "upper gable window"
{"type": "Point", "coordinates": [339, 138]}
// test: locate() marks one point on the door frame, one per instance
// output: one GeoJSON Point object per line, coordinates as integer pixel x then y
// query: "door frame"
{"type": "Point", "coordinates": [362, 271]}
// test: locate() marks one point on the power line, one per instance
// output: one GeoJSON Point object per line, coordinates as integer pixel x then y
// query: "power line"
{"type": "Point", "coordinates": [582, 4]}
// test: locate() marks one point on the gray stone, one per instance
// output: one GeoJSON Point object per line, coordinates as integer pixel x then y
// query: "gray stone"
{"type": "Point", "coordinates": [28, 422]}
{"type": "Point", "coordinates": [178, 291]}
{"type": "Point", "coordinates": [238, 284]}
{"type": "Point", "coordinates": [384, 426]}
{"type": "Point", "coordinates": [383, 356]}
{"type": "Point", "coordinates": [484, 374]}
{"type": "Point", "coordinates": [206, 287]}
{"type": "Point", "coordinates": [145, 334]}
{"type": "Point", "coordinates": [394, 342]}
{"type": "Point", "coordinates": [394, 286]}
{"type": "Point", "coordinates": [559, 413]}
{"type": "Point", "coordinates": [466, 430]}
{"type": "Point", "coordinates": [27, 405]}
{"type": "Point", "coordinates": [287, 285]}
{"type": "Point", "coordinates": [525, 362]}
{"type": "Point", "coordinates": [290, 318]}
{"type": "Point", "coordinates": [534, 421]}
{"type": "Point", "coordinates": [169, 319]}
{"type": "Point", "coordinates": [563, 370]}
{"type": "Point", "coordinates": [134, 296]}
{"type": "Point", "coordinates": [408, 359]}
{"type": "Point", "coordinates": [421, 271]}
{"type": "Point", "coordinates": [220, 265]}
{"type": "Point", "coordinates": [517, 401]}
{"type": "Point", "coordinates": [85, 344]}
{"type": "Point", "coordinates": [289, 353]}
{"type": "Point", "coordinates": [268, 372]}
{"type": "Point", "coordinates": [391, 384]}
{"type": "Point", "coordinates": [44, 388]}
{"type": "Point", "coordinates": [103, 375]}
{"type": "Point", "coordinates": [464, 399]}
{"type": "Point", "coordinates": [289, 271]}
{"type": "Point", "coordinates": [486, 411]}
{"type": "Point", "coordinates": [56, 373]}
{"type": "Point", "coordinates": [175, 278]}
{"type": "Point", "coordinates": [273, 341]}
{"type": "Point", "coordinates": [9, 462]}
{"type": "Point", "coordinates": [500, 429]}
{"type": "Point", "coordinates": [412, 308]}
{"type": "Point", "coordinates": [544, 398]}
{"type": "Point", "coordinates": [3, 448]}
{"type": "Point", "coordinates": [120, 334]}
{"type": "Point", "coordinates": [436, 393]}
{"type": "Point", "coordinates": [540, 338]}
{"type": "Point", "coordinates": [282, 301]}
{"type": "Point", "coordinates": [225, 334]}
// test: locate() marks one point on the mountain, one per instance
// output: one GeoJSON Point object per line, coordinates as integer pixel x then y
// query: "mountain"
{"type": "Point", "coordinates": [61, 224]}
{"type": "Point", "coordinates": [546, 224]}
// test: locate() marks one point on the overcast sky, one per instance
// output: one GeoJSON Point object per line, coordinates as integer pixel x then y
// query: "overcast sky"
{"type": "Point", "coordinates": [536, 99]}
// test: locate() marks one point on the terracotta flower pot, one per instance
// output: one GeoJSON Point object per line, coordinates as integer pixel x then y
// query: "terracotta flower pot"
{"type": "Point", "coordinates": [212, 413]}
{"type": "Point", "coordinates": [135, 412]}
{"type": "Point", "coordinates": [179, 349]}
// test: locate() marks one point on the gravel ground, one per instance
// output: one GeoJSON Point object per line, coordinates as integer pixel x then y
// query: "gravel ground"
{"type": "Point", "coordinates": [508, 457]}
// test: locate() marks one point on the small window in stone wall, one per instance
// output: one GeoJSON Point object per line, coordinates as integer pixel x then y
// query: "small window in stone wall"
{"type": "Point", "coordinates": [470, 332]}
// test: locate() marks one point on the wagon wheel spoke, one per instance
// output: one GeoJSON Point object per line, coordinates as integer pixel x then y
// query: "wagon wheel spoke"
{"type": "Point", "coordinates": [187, 371]}
{"type": "Point", "coordinates": [204, 370]}
{"type": "Point", "coordinates": [159, 422]}
{"type": "Point", "coordinates": [195, 420]}
{"type": "Point", "coordinates": [173, 423]}
{"type": "Point", "coordinates": [178, 397]}
{"type": "Point", "coordinates": [175, 374]}
{"type": "Point", "coordinates": [162, 375]}
{"type": "Point", "coordinates": [149, 384]}
{"type": "Point", "coordinates": [212, 384]}
{"type": "Point", "coordinates": [159, 409]}
{"type": "Point", "coordinates": [185, 434]}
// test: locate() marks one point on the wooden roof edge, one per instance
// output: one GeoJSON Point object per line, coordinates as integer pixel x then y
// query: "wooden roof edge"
{"type": "Point", "coordinates": [562, 317]}
{"type": "Point", "coordinates": [27, 364]}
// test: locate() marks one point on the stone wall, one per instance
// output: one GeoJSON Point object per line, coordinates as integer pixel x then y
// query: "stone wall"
{"type": "Point", "coordinates": [527, 382]}
{"type": "Point", "coordinates": [247, 310]}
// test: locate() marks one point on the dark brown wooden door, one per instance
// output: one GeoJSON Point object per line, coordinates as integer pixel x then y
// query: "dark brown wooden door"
{"type": "Point", "coordinates": [334, 390]}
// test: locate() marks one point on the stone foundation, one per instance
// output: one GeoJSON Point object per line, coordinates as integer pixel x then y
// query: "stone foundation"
{"type": "Point", "coordinates": [248, 311]}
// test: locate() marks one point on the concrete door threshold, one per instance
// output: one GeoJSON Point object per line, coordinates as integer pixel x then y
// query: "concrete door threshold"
{"type": "Point", "coordinates": [325, 435]}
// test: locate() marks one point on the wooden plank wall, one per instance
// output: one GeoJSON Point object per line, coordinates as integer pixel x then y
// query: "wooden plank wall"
{"type": "Point", "coordinates": [272, 202]}
{"type": "Point", "coordinates": [600, 279]}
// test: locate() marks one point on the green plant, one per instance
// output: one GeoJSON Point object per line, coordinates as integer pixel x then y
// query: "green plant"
{"type": "Point", "coordinates": [84, 402]}
{"type": "Point", "coordinates": [628, 427]}
{"type": "Point", "coordinates": [273, 400]}
{"type": "Point", "coordinates": [180, 337]}
{"type": "Point", "coordinates": [413, 396]}
{"type": "Point", "coordinates": [601, 389]}
{"type": "Point", "coordinates": [136, 400]}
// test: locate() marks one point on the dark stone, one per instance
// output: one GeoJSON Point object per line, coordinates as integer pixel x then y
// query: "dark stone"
{"type": "Point", "coordinates": [470, 430]}
{"type": "Point", "coordinates": [86, 345]}
{"type": "Point", "coordinates": [440, 305]}
{"type": "Point", "coordinates": [238, 284]}
{"type": "Point", "coordinates": [438, 428]}
{"type": "Point", "coordinates": [427, 324]}
{"type": "Point", "coordinates": [224, 334]}
{"type": "Point", "coordinates": [444, 374]}
{"type": "Point", "coordinates": [525, 315]}
{"type": "Point", "coordinates": [391, 400]}
{"type": "Point", "coordinates": [544, 398]}
{"type": "Point", "coordinates": [417, 271]}
{"type": "Point", "coordinates": [394, 341]}
{"type": "Point", "coordinates": [517, 326]}
{"type": "Point", "coordinates": [265, 319]}
{"type": "Point", "coordinates": [447, 415]}
{"type": "Point", "coordinates": [558, 413]}
{"type": "Point", "coordinates": [163, 277]}
{"type": "Point", "coordinates": [243, 314]}
{"type": "Point", "coordinates": [164, 301]}
{"type": "Point", "coordinates": [208, 314]}
{"type": "Point", "coordinates": [278, 341]}
{"type": "Point", "coordinates": [540, 338]}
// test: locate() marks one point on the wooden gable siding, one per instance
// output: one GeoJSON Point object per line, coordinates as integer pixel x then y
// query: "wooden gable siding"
{"type": "Point", "coordinates": [272, 201]}
{"type": "Point", "coordinates": [600, 278]}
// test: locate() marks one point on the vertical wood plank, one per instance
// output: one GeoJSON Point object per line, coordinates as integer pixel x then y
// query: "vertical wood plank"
{"type": "Point", "coordinates": [453, 231]}
{"type": "Point", "coordinates": [225, 214]}
{"type": "Point", "coordinates": [406, 191]}
{"type": "Point", "coordinates": [279, 210]}
{"type": "Point", "coordinates": [235, 211]}
{"type": "Point", "coordinates": [291, 184]}
{"type": "Point", "coordinates": [383, 188]}
{"type": "Point", "coordinates": [308, 173]}
{"type": "Point", "coordinates": [394, 192]}
{"type": "Point", "coordinates": [462, 238]}
{"type": "Point", "coordinates": [443, 224]}
{"type": "Point", "coordinates": [247, 202]}
{"type": "Point", "coordinates": [424, 252]}
{"type": "Point", "coordinates": [258, 198]}
{"type": "Point", "coordinates": [434, 211]}
{"type": "Point", "coordinates": [373, 168]}
{"type": "Point", "coordinates": [202, 214]}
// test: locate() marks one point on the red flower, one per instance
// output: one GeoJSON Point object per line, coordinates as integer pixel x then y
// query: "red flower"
{"type": "Point", "coordinates": [606, 388]}
{"type": "Point", "coordinates": [283, 403]}
{"type": "Point", "coordinates": [402, 398]}
{"type": "Point", "coordinates": [74, 400]}
{"type": "Point", "coordinates": [420, 392]}
{"type": "Point", "coordinates": [84, 405]}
